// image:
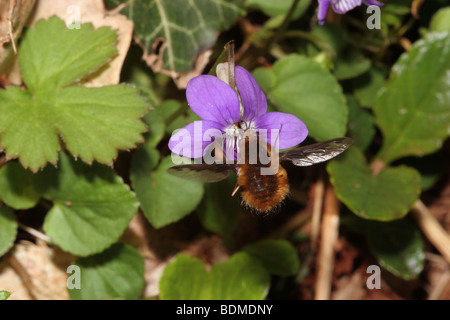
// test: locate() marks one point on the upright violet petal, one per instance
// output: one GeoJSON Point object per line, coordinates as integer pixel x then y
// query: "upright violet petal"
{"type": "Point", "coordinates": [323, 9]}
{"type": "Point", "coordinates": [252, 97]}
{"type": "Point", "coordinates": [342, 6]}
{"type": "Point", "coordinates": [212, 99]}
{"type": "Point", "coordinates": [290, 130]}
{"type": "Point", "coordinates": [372, 3]}
{"type": "Point", "coordinates": [192, 140]}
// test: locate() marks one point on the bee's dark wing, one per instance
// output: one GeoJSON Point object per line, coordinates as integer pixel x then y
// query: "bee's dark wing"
{"type": "Point", "coordinates": [316, 153]}
{"type": "Point", "coordinates": [202, 172]}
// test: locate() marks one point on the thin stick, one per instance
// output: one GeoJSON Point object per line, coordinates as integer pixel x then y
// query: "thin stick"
{"type": "Point", "coordinates": [325, 261]}
{"type": "Point", "coordinates": [432, 229]}
{"type": "Point", "coordinates": [317, 213]}
{"type": "Point", "coordinates": [35, 233]}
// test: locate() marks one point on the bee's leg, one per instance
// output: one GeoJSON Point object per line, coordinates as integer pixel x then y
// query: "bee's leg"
{"type": "Point", "coordinates": [236, 188]}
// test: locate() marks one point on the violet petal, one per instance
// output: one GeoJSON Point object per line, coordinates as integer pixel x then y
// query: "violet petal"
{"type": "Point", "coordinates": [292, 130]}
{"type": "Point", "coordinates": [192, 140]}
{"type": "Point", "coordinates": [212, 99]}
{"type": "Point", "coordinates": [252, 97]}
{"type": "Point", "coordinates": [322, 11]}
{"type": "Point", "coordinates": [342, 6]}
{"type": "Point", "coordinates": [372, 3]}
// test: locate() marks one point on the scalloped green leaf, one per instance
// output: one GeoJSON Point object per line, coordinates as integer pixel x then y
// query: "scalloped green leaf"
{"type": "Point", "coordinates": [188, 27]}
{"type": "Point", "coordinates": [94, 123]}
{"type": "Point", "coordinates": [118, 272]}
{"type": "Point", "coordinates": [386, 196]}
{"type": "Point", "coordinates": [91, 205]}
{"type": "Point", "coordinates": [279, 257]}
{"type": "Point", "coordinates": [164, 198]}
{"type": "Point", "coordinates": [8, 229]}
{"type": "Point", "coordinates": [241, 277]}
{"type": "Point", "coordinates": [413, 114]}
{"type": "Point", "coordinates": [16, 189]}
{"type": "Point", "coordinates": [53, 56]}
{"type": "Point", "coordinates": [305, 89]}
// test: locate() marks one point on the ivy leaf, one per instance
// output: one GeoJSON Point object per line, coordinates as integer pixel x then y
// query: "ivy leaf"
{"type": "Point", "coordinates": [164, 198]}
{"type": "Point", "coordinates": [414, 116]}
{"type": "Point", "coordinates": [16, 189]}
{"type": "Point", "coordinates": [187, 27]}
{"type": "Point", "coordinates": [303, 88]}
{"type": "Point", "coordinates": [91, 205]}
{"type": "Point", "coordinates": [93, 122]}
{"type": "Point", "coordinates": [8, 229]}
{"type": "Point", "coordinates": [277, 256]}
{"type": "Point", "coordinates": [118, 272]}
{"type": "Point", "coordinates": [239, 278]}
{"type": "Point", "coordinates": [386, 196]}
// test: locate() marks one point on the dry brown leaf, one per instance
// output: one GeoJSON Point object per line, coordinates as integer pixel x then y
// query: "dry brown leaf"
{"type": "Point", "coordinates": [33, 271]}
{"type": "Point", "coordinates": [92, 11]}
{"type": "Point", "coordinates": [13, 16]}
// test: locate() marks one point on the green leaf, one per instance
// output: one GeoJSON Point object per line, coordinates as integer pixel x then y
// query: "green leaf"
{"type": "Point", "coordinates": [367, 86]}
{"type": "Point", "coordinates": [169, 109]}
{"type": "Point", "coordinates": [188, 27]}
{"type": "Point", "coordinates": [441, 20]}
{"type": "Point", "coordinates": [164, 198]}
{"type": "Point", "coordinates": [351, 65]}
{"type": "Point", "coordinates": [279, 257]}
{"type": "Point", "coordinates": [278, 8]}
{"type": "Point", "coordinates": [156, 127]}
{"type": "Point", "coordinates": [4, 295]}
{"type": "Point", "coordinates": [398, 247]}
{"type": "Point", "coordinates": [413, 115]}
{"type": "Point", "coordinates": [8, 229]}
{"type": "Point", "coordinates": [53, 56]}
{"type": "Point", "coordinates": [430, 167]}
{"type": "Point", "coordinates": [361, 124]}
{"type": "Point", "coordinates": [118, 272]}
{"type": "Point", "coordinates": [16, 189]}
{"type": "Point", "coordinates": [91, 205]}
{"type": "Point", "coordinates": [93, 122]}
{"type": "Point", "coordinates": [219, 211]}
{"type": "Point", "coordinates": [386, 196]}
{"type": "Point", "coordinates": [239, 278]}
{"type": "Point", "coordinates": [311, 93]}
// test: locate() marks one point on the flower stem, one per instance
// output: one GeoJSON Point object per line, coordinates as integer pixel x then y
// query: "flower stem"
{"type": "Point", "coordinates": [318, 42]}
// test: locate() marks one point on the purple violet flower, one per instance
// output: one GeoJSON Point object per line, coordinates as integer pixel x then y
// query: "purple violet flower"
{"type": "Point", "coordinates": [341, 6]}
{"type": "Point", "coordinates": [218, 105]}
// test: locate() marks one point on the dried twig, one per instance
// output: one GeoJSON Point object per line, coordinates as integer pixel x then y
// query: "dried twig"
{"type": "Point", "coordinates": [325, 261]}
{"type": "Point", "coordinates": [432, 229]}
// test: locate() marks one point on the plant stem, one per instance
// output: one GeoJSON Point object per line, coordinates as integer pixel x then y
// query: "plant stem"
{"type": "Point", "coordinates": [308, 36]}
